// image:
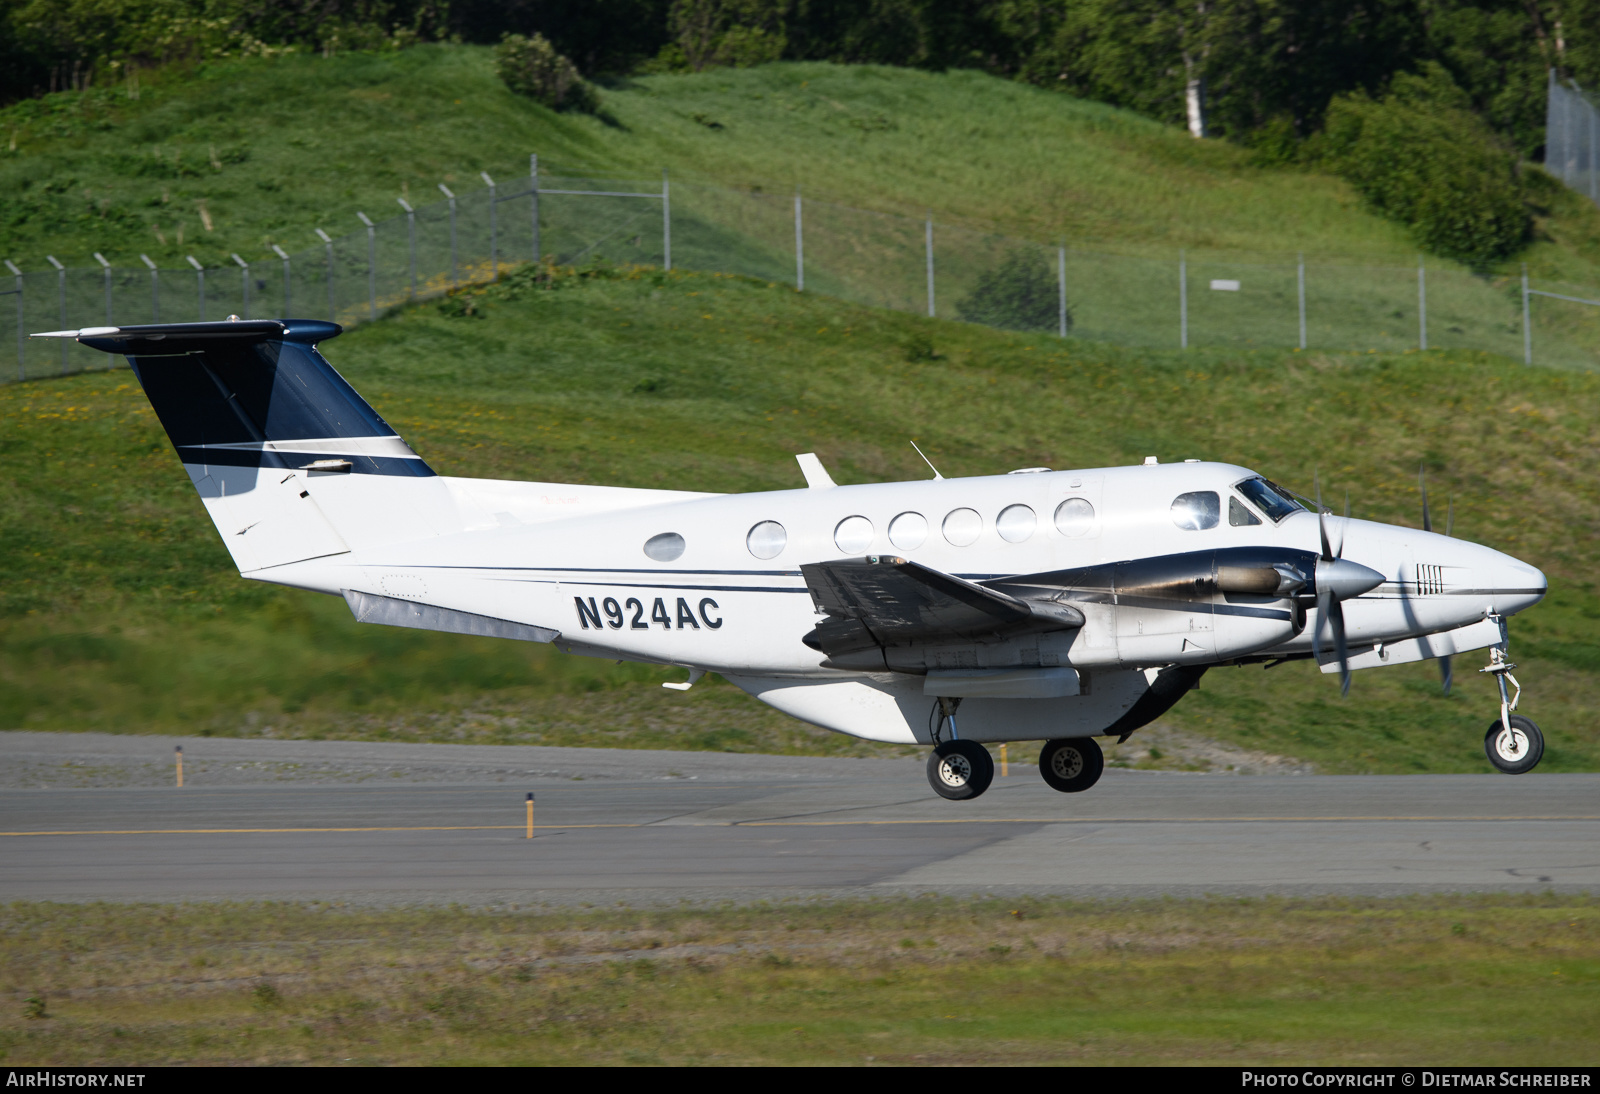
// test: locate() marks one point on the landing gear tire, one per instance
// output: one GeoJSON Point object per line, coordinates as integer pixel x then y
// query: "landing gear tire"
{"type": "Point", "coordinates": [960, 770]}
{"type": "Point", "coordinates": [1516, 750]}
{"type": "Point", "coordinates": [1072, 765]}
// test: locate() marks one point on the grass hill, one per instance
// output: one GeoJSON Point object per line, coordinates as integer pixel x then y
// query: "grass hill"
{"type": "Point", "coordinates": [121, 610]}
{"type": "Point", "coordinates": [271, 149]}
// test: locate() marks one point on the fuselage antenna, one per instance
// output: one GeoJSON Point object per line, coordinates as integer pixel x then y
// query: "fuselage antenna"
{"type": "Point", "coordinates": [927, 461]}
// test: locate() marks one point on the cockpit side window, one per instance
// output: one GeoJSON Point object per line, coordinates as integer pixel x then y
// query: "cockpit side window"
{"type": "Point", "coordinates": [1271, 500]}
{"type": "Point", "coordinates": [1197, 511]}
{"type": "Point", "coordinates": [1239, 514]}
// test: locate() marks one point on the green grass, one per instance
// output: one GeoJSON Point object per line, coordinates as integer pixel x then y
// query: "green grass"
{"type": "Point", "coordinates": [277, 147]}
{"type": "Point", "coordinates": [1472, 981]}
{"type": "Point", "coordinates": [122, 611]}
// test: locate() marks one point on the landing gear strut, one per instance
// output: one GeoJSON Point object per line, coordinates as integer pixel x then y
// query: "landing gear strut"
{"type": "Point", "coordinates": [958, 770]}
{"type": "Point", "coordinates": [1513, 743]}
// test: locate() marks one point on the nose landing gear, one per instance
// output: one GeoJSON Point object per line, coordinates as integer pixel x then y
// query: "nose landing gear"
{"type": "Point", "coordinates": [1513, 744]}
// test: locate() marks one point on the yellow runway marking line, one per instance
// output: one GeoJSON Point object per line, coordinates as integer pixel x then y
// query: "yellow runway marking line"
{"type": "Point", "coordinates": [1139, 820]}
{"type": "Point", "coordinates": [280, 831]}
{"type": "Point", "coordinates": [771, 824]}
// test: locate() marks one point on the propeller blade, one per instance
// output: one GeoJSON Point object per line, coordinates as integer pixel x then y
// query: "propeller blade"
{"type": "Point", "coordinates": [1449, 515]}
{"type": "Point", "coordinates": [1336, 617]}
{"type": "Point", "coordinates": [1324, 608]}
{"type": "Point", "coordinates": [1345, 527]}
{"type": "Point", "coordinates": [1322, 525]}
{"type": "Point", "coordinates": [1422, 484]}
{"type": "Point", "coordinates": [1445, 675]}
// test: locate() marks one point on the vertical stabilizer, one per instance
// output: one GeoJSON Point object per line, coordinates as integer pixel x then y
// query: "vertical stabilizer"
{"type": "Point", "coordinates": [261, 421]}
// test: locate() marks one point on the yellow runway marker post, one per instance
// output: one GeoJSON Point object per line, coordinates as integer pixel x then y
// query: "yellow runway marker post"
{"type": "Point", "coordinates": [530, 814]}
{"type": "Point", "coordinates": [1005, 768]}
{"type": "Point", "coordinates": [179, 751]}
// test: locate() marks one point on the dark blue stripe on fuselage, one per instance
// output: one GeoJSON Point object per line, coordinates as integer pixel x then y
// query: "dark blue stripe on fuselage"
{"type": "Point", "coordinates": [359, 465]}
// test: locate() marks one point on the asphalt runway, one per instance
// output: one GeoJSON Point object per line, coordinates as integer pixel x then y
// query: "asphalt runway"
{"type": "Point", "coordinates": [432, 823]}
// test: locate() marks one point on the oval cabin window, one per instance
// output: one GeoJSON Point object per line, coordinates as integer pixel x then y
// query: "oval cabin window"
{"type": "Point", "coordinates": [767, 539]}
{"type": "Point", "coordinates": [1074, 518]}
{"type": "Point", "coordinates": [963, 527]}
{"type": "Point", "coordinates": [1197, 510]}
{"type": "Point", "coordinates": [853, 535]}
{"type": "Point", "coordinates": [908, 531]}
{"type": "Point", "coordinates": [667, 547]}
{"type": "Point", "coordinates": [1015, 523]}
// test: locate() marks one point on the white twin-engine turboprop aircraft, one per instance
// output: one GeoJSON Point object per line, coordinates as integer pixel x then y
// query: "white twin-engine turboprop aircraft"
{"type": "Point", "coordinates": [1039, 605]}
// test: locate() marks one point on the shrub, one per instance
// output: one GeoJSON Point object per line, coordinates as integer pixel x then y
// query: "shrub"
{"type": "Point", "coordinates": [532, 67]}
{"type": "Point", "coordinates": [722, 34]}
{"type": "Point", "coordinates": [1018, 293]}
{"type": "Point", "coordinates": [1421, 157]}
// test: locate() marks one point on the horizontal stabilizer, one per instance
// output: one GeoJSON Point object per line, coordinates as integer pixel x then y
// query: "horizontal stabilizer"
{"type": "Point", "coordinates": [891, 601]}
{"type": "Point", "coordinates": [394, 612]}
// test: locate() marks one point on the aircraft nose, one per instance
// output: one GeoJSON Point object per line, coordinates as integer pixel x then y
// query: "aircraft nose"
{"type": "Point", "coordinates": [1515, 584]}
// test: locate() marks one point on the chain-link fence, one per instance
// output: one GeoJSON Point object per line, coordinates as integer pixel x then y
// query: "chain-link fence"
{"type": "Point", "coordinates": [1312, 302]}
{"type": "Point", "coordinates": [1572, 138]}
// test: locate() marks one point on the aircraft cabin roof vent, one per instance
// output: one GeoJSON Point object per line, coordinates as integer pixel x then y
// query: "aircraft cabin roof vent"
{"type": "Point", "coordinates": [1150, 461]}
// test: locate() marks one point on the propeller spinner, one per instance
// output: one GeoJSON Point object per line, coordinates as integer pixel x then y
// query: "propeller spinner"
{"type": "Point", "coordinates": [1338, 579]}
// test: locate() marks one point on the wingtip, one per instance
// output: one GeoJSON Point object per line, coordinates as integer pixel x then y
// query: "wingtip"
{"type": "Point", "coordinates": [85, 332]}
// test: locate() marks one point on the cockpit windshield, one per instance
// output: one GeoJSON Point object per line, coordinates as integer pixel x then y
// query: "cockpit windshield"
{"type": "Point", "coordinates": [1272, 500]}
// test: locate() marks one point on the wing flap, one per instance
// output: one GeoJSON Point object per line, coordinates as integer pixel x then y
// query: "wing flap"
{"type": "Point", "coordinates": [897, 602]}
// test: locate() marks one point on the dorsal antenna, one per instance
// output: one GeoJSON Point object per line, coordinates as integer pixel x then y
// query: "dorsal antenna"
{"type": "Point", "coordinates": [927, 461]}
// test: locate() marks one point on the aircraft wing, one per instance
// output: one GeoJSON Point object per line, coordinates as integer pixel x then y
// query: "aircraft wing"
{"type": "Point", "coordinates": [887, 601]}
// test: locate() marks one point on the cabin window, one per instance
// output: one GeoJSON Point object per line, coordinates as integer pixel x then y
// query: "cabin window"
{"type": "Point", "coordinates": [667, 547]}
{"type": "Point", "coordinates": [1197, 510]}
{"type": "Point", "coordinates": [962, 527]}
{"type": "Point", "coordinates": [1239, 514]}
{"type": "Point", "coordinates": [767, 539]}
{"type": "Point", "coordinates": [1074, 518]}
{"type": "Point", "coordinates": [1016, 523]}
{"type": "Point", "coordinates": [908, 531]}
{"type": "Point", "coordinates": [853, 535]}
{"type": "Point", "coordinates": [1272, 500]}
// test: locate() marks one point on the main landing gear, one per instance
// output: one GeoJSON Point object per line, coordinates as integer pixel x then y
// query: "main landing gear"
{"type": "Point", "coordinates": [1513, 743]}
{"type": "Point", "coordinates": [961, 770]}
{"type": "Point", "coordinates": [1072, 765]}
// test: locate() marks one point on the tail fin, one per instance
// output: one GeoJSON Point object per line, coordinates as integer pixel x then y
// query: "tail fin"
{"type": "Point", "coordinates": [258, 416]}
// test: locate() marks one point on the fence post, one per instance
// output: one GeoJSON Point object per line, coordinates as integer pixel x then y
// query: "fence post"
{"type": "Point", "coordinates": [1302, 300]}
{"type": "Point", "coordinates": [1594, 189]}
{"type": "Point", "coordinates": [61, 289]}
{"type": "Point", "coordinates": [454, 280]}
{"type": "Point", "coordinates": [1061, 284]}
{"type": "Point", "coordinates": [1183, 300]}
{"type": "Point", "coordinates": [411, 241]}
{"type": "Point", "coordinates": [799, 246]}
{"type": "Point", "coordinates": [494, 235]}
{"type": "Point", "coordinates": [244, 284]}
{"type": "Point", "coordinates": [927, 243]}
{"type": "Point", "coordinates": [372, 266]}
{"type": "Point", "coordinates": [21, 358]}
{"type": "Point", "coordinates": [666, 222]}
{"type": "Point", "coordinates": [1527, 328]}
{"type": "Point", "coordinates": [288, 300]}
{"type": "Point", "coordinates": [200, 285]}
{"type": "Point", "coordinates": [106, 268]}
{"type": "Point", "coordinates": [1422, 304]}
{"type": "Point", "coordinates": [155, 290]}
{"type": "Point", "coordinates": [327, 243]}
{"type": "Point", "coordinates": [533, 175]}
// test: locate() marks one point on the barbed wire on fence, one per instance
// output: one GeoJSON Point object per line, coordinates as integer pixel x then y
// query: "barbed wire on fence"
{"type": "Point", "coordinates": [908, 263]}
